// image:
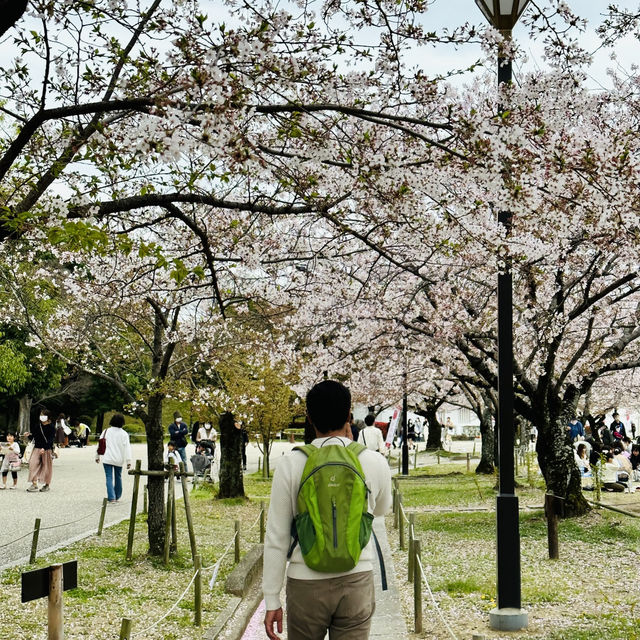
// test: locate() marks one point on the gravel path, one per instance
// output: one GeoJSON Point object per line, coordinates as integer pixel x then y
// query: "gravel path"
{"type": "Point", "coordinates": [71, 510]}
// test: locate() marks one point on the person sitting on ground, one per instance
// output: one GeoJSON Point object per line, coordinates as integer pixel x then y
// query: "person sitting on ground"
{"type": "Point", "coordinates": [371, 436]}
{"type": "Point", "coordinates": [626, 447]}
{"type": "Point", "coordinates": [610, 474]}
{"type": "Point", "coordinates": [622, 460]}
{"type": "Point", "coordinates": [582, 459]}
{"type": "Point", "coordinates": [635, 462]}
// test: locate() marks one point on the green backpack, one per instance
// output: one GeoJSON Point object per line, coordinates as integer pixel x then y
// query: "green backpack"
{"type": "Point", "coordinates": [333, 524]}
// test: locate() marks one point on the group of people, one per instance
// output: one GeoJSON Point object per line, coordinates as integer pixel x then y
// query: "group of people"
{"type": "Point", "coordinates": [71, 432]}
{"type": "Point", "coordinates": [608, 447]}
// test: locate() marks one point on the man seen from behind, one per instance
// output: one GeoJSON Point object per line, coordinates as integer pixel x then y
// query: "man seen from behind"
{"type": "Point", "coordinates": [340, 603]}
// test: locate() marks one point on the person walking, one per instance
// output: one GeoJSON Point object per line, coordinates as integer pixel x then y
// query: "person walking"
{"type": "Point", "coordinates": [371, 436]}
{"type": "Point", "coordinates": [342, 602]}
{"type": "Point", "coordinates": [178, 432]}
{"type": "Point", "coordinates": [41, 460]}
{"type": "Point", "coordinates": [117, 453]}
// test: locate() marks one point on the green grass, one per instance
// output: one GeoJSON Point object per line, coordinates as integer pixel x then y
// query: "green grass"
{"type": "Point", "coordinates": [592, 592]}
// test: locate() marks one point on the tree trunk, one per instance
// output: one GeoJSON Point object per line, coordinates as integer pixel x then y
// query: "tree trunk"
{"type": "Point", "coordinates": [434, 437]}
{"type": "Point", "coordinates": [231, 481]}
{"type": "Point", "coordinates": [99, 423]}
{"type": "Point", "coordinates": [488, 436]}
{"type": "Point", "coordinates": [155, 484]}
{"type": "Point", "coordinates": [266, 443]}
{"type": "Point", "coordinates": [557, 464]}
{"type": "Point", "coordinates": [24, 414]}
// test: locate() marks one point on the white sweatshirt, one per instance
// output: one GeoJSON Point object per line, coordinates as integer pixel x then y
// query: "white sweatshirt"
{"type": "Point", "coordinates": [118, 451]}
{"type": "Point", "coordinates": [283, 508]}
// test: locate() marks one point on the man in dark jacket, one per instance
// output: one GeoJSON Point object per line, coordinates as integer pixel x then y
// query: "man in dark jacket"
{"type": "Point", "coordinates": [178, 431]}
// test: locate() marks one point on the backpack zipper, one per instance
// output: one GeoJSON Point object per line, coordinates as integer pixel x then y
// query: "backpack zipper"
{"type": "Point", "coordinates": [336, 464]}
{"type": "Point", "coordinates": [335, 523]}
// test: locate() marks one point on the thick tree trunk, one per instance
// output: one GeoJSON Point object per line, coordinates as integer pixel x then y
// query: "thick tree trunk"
{"type": "Point", "coordinates": [231, 481]}
{"type": "Point", "coordinates": [155, 485]}
{"type": "Point", "coordinates": [24, 414]}
{"type": "Point", "coordinates": [434, 437]}
{"type": "Point", "coordinates": [488, 436]}
{"type": "Point", "coordinates": [557, 463]}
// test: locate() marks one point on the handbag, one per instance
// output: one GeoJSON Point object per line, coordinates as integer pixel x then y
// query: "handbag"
{"type": "Point", "coordinates": [102, 446]}
{"type": "Point", "coordinates": [27, 453]}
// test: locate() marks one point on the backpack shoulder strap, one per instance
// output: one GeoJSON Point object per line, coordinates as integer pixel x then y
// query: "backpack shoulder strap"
{"type": "Point", "coordinates": [307, 449]}
{"type": "Point", "coordinates": [356, 447]}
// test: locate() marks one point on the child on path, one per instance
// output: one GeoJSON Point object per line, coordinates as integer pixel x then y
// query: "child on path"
{"type": "Point", "coordinates": [173, 459]}
{"type": "Point", "coordinates": [11, 461]}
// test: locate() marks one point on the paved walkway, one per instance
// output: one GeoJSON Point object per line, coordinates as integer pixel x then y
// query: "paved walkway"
{"type": "Point", "coordinates": [388, 620]}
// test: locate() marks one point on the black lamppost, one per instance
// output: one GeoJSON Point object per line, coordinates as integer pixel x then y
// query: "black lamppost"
{"type": "Point", "coordinates": [405, 442]}
{"type": "Point", "coordinates": [508, 615]}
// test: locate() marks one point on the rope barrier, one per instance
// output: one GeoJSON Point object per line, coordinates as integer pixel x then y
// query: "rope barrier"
{"type": "Point", "coordinates": [404, 515]}
{"type": "Point", "coordinates": [435, 604]}
{"type": "Point", "coordinates": [6, 544]}
{"type": "Point", "coordinates": [257, 520]}
{"type": "Point", "coordinates": [54, 526]}
{"type": "Point", "coordinates": [157, 622]}
{"type": "Point", "coordinates": [64, 524]}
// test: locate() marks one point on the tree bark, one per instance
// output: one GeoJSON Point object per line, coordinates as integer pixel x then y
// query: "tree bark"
{"type": "Point", "coordinates": [231, 481]}
{"type": "Point", "coordinates": [10, 12]}
{"type": "Point", "coordinates": [434, 437]}
{"type": "Point", "coordinates": [24, 414]}
{"type": "Point", "coordinates": [557, 463]}
{"type": "Point", "coordinates": [155, 484]}
{"type": "Point", "coordinates": [488, 436]}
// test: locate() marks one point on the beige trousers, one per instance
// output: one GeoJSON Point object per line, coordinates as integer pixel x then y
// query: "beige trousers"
{"type": "Point", "coordinates": [343, 606]}
{"type": "Point", "coordinates": [41, 466]}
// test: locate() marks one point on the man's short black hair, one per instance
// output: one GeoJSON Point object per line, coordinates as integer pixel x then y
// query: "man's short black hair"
{"type": "Point", "coordinates": [328, 405]}
{"type": "Point", "coordinates": [369, 419]}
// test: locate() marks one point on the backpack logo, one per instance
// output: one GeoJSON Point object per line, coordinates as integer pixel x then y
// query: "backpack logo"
{"type": "Point", "coordinates": [333, 524]}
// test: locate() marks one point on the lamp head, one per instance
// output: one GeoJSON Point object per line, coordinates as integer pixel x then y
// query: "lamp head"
{"type": "Point", "coordinates": [502, 14]}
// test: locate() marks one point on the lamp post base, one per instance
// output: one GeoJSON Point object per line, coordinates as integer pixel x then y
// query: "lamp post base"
{"type": "Point", "coordinates": [508, 619]}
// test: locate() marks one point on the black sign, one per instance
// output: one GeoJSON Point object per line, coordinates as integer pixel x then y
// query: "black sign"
{"type": "Point", "coordinates": [35, 584]}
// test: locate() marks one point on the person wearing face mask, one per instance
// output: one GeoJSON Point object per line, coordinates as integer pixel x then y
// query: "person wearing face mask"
{"type": "Point", "coordinates": [41, 460]}
{"type": "Point", "coordinates": [178, 432]}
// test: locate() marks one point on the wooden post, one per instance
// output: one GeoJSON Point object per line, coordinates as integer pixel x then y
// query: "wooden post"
{"type": "Point", "coordinates": [468, 462]}
{"type": "Point", "coordinates": [259, 464]}
{"type": "Point", "coordinates": [197, 593]}
{"type": "Point", "coordinates": [400, 464]}
{"type": "Point", "coordinates": [174, 526]}
{"type": "Point", "coordinates": [145, 499]}
{"type": "Point", "coordinates": [54, 611]}
{"type": "Point", "coordinates": [34, 541]}
{"type": "Point", "coordinates": [516, 459]}
{"type": "Point", "coordinates": [396, 511]}
{"type": "Point", "coordinates": [400, 524]}
{"type": "Point", "coordinates": [417, 588]}
{"type": "Point", "coordinates": [262, 513]}
{"type": "Point", "coordinates": [102, 514]}
{"type": "Point", "coordinates": [438, 454]}
{"type": "Point", "coordinates": [394, 494]}
{"type": "Point", "coordinates": [187, 510]}
{"type": "Point", "coordinates": [125, 629]}
{"type": "Point", "coordinates": [415, 458]}
{"type": "Point", "coordinates": [410, 558]}
{"type": "Point", "coordinates": [167, 522]}
{"type": "Point", "coordinates": [134, 509]}
{"type": "Point", "coordinates": [237, 541]}
{"type": "Point", "coordinates": [550, 509]}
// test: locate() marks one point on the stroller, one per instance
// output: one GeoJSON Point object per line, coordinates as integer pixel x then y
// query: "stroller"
{"type": "Point", "coordinates": [203, 461]}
